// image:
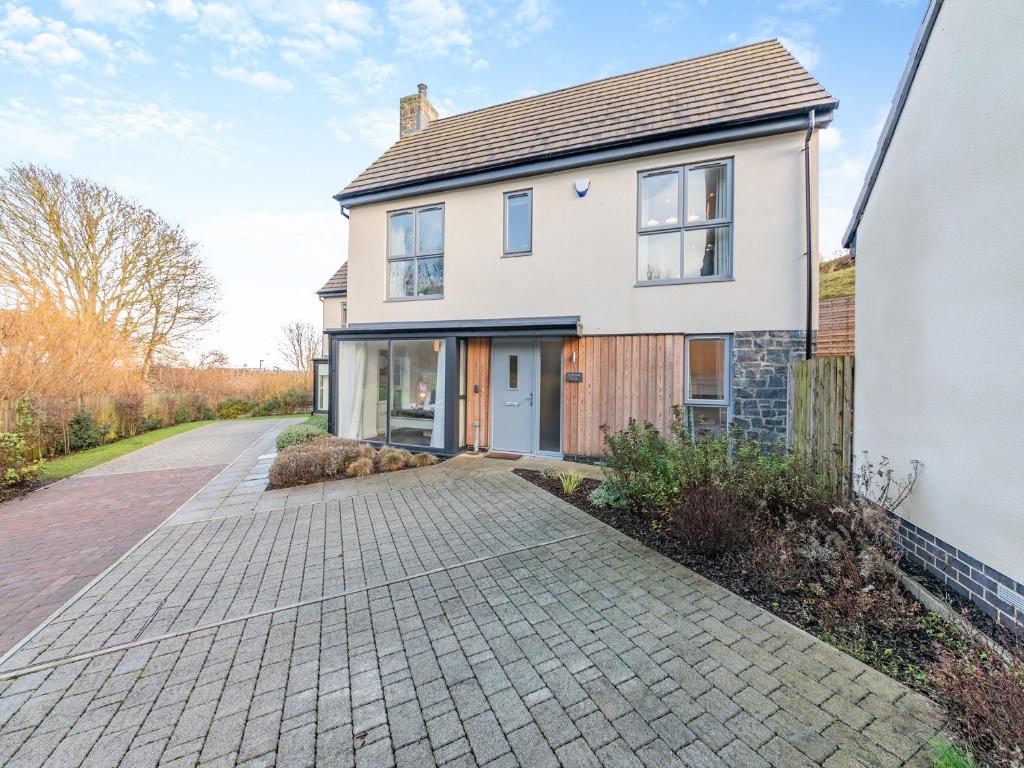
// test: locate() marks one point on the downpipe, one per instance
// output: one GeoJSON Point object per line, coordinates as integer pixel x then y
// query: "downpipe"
{"type": "Point", "coordinates": [807, 218]}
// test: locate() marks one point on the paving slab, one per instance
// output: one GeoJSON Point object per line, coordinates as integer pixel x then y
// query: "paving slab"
{"type": "Point", "coordinates": [475, 621]}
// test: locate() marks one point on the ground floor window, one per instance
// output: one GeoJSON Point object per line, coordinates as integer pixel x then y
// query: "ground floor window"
{"type": "Point", "coordinates": [321, 386]}
{"type": "Point", "coordinates": [392, 391]}
{"type": "Point", "coordinates": [708, 390]}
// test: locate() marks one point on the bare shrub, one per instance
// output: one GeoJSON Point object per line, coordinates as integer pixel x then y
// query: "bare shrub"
{"type": "Point", "coordinates": [423, 460]}
{"type": "Point", "coordinates": [985, 696]}
{"type": "Point", "coordinates": [709, 521]}
{"type": "Point", "coordinates": [299, 465]}
{"type": "Point", "coordinates": [361, 467]}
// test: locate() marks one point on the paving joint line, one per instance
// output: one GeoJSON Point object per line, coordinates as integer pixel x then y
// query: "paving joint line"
{"type": "Point", "coordinates": [21, 672]}
{"type": "Point", "coordinates": [4, 658]}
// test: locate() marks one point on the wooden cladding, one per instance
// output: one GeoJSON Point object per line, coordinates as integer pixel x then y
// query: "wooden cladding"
{"type": "Point", "coordinates": [623, 376]}
{"type": "Point", "coordinates": [478, 377]}
{"type": "Point", "coordinates": [836, 326]}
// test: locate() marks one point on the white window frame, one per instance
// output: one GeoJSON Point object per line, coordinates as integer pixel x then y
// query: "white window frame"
{"type": "Point", "coordinates": [415, 256]}
{"type": "Point", "coordinates": [682, 227]}
{"type": "Point", "coordinates": [726, 402]}
{"type": "Point", "coordinates": [505, 250]}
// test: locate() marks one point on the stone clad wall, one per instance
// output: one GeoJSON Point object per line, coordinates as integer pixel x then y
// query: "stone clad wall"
{"type": "Point", "coordinates": [760, 379]}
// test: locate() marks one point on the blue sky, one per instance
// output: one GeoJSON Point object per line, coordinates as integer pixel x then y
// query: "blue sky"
{"type": "Point", "coordinates": [239, 119]}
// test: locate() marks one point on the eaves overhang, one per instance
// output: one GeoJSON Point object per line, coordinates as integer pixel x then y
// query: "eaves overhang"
{"type": "Point", "coordinates": [724, 133]}
{"type": "Point", "coordinates": [503, 327]}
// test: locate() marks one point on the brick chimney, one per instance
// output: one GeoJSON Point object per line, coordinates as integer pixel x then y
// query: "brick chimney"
{"type": "Point", "coordinates": [414, 112]}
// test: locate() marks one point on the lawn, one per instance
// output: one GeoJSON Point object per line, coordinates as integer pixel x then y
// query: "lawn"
{"type": "Point", "coordinates": [72, 464]}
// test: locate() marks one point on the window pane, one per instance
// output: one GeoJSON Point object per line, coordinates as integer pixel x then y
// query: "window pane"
{"type": "Point", "coordinates": [707, 252]}
{"type": "Point", "coordinates": [431, 277]}
{"type": "Point", "coordinates": [431, 225]}
{"type": "Point", "coordinates": [322, 378]}
{"type": "Point", "coordinates": [659, 203]}
{"type": "Point", "coordinates": [707, 421]}
{"type": "Point", "coordinates": [706, 365]}
{"type": "Point", "coordinates": [513, 371]}
{"type": "Point", "coordinates": [362, 389]}
{"type": "Point", "coordinates": [707, 194]}
{"type": "Point", "coordinates": [659, 257]}
{"type": "Point", "coordinates": [400, 234]}
{"type": "Point", "coordinates": [550, 395]}
{"type": "Point", "coordinates": [401, 275]}
{"type": "Point", "coordinates": [417, 392]}
{"type": "Point", "coordinates": [517, 223]}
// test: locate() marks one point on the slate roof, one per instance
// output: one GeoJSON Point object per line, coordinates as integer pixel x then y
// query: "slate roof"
{"type": "Point", "coordinates": [338, 284]}
{"type": "Point", "coordinates": [742, 85]}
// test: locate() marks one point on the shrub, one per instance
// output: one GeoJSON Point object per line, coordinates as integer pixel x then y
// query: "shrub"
{"type": "Point", "coordinates": [709, 521]}
{"type": "Point", "coordinates": [606, 496]}
{"type": "Point", "coordinates": [128, 413]}
{"type": "Point", "coordinates": [15, 468]}
{"type": "Point", "coordinates": [297, 434]}
{"type": "Point", "coordinates": [643, 466]}
{"type": "Point", "coordinates": [151, 422]}
{"type": "Point", "coordinates": [361, 467]}
{"type": "Point", "coordinates": [233, 408]}
{"type": "Point", "coordinates": [424, 460]}
{"type": "Point", "coordinates": [298, 465]}
{"type": "Point", "coordinates": [84, 432]}
{"type": "Point", "coordinates": [549, 473]}
{"type": "Point", "coordinates": [985, 696]}
{"type": "Point", "coordinates": [570, 481]}
{"type": "Point", "coordinates": [318, 420]}
{"type": "Point", "coordinates": [392, 459]}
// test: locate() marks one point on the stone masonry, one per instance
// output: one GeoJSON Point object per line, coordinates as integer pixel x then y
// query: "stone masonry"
{"type": "Point", "coordinates": [760, 365]}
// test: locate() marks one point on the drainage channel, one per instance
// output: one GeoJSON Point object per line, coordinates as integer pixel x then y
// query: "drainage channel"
{"type": "Point", "coordinates": [32, 669]}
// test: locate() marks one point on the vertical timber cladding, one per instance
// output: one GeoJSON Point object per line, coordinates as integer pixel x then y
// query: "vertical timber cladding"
{"type": "Point", "coordinates": [478, 389]}
{"type": "Point", "coordinates": [624, 377]}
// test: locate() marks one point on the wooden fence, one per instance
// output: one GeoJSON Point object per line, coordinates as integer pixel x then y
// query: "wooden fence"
{"type": "Point", "coordinates": [836, 326]}
{"type": "Point", "coordinates": [821, 416]}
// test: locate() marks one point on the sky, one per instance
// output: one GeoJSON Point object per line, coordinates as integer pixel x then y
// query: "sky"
{"type": "Point", "coordinates": [238, 119]}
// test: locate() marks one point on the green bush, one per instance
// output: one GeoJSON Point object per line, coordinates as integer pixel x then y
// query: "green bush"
{"type": "Point", "coordinates": [84, 432]}
{"type": "Point", "coordinates": [318, 420]}
{"type": "Point", "coordinates": [15, 468]}
{"type": "Point", "coordinates": [642, 466]}
{"type": "Point", "coordinates": [151, 422]}
{"type": "Point", "coordinates": [233, 408]}
{"type": "Point", "coordinates": [297, 434]}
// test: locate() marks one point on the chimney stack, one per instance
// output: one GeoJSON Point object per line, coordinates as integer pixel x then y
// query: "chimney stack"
{"type": "Point", "coordinates": [414, 112]}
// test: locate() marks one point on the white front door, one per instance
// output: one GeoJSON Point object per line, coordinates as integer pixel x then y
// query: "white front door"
{"type": "Point", "coordinates": [512, 396]}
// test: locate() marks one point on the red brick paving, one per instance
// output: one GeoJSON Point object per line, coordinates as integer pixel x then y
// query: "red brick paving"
{"type": "Point", "coordinates": [55, 540]}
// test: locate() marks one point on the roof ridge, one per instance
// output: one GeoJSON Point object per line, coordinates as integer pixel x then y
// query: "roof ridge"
{"type": "Point", "coordinates": [606, 79]}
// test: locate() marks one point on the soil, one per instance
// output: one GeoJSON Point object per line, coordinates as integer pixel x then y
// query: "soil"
{"type": "Point", "coordinates": [905, 655]}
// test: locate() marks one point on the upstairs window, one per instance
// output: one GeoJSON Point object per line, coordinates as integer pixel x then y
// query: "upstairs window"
{"type": "Point", "coordinates": [684, 225]}
{"type": "Point", "coordinates": [416, 253]}
{"type": "Point", "coordinates": [518, 223]}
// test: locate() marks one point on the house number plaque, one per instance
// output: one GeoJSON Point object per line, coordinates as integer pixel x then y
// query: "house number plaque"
{"type": "Point", "coordinates": [574, 376]}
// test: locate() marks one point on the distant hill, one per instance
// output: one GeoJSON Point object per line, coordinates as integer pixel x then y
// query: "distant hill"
{"type": "Point", "coordinates": [836, 278]}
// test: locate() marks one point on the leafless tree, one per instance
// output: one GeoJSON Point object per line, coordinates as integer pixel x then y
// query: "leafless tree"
{"type": "Point", "coordinates": [299, 344]}
{"type": "Point", "coordinates": [213, 358]}
{"type": "Point", "coordinates": [84, 249]}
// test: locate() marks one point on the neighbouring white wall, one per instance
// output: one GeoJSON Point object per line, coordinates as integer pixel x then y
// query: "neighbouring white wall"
{"type": "Point", "coordinates": [940, 288]}
{"type": "Point", "coordinates": [584, 257]}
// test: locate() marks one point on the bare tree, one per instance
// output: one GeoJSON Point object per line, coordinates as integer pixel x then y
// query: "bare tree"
{"type": "Point", "coordinates": [84, 249]}
{"type": "Point", "coordinates": [299, 344]}
{"type": "Point", "coordinates": [213, 358]}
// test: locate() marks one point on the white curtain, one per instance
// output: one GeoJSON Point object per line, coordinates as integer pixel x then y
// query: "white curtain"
{"type": "Point", "coordinates": [351, 387]}
{"type": "Point", "coordinates": [437, 436]}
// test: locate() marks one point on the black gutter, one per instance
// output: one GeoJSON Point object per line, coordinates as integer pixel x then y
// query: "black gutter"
{"type": "Point", "coordinates": [810, 251]}
{"type": "Point", "coordinates": [505, 327]}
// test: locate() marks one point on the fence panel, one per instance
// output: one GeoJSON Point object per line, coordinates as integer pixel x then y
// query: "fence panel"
{"type": "Point", "coordinates": [836, 326]}
{"type": "Point", "coordinates": [821, 416]}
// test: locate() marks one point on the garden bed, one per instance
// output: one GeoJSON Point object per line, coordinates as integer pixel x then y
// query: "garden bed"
{"type": "Point", "coordinates": [318, 457]}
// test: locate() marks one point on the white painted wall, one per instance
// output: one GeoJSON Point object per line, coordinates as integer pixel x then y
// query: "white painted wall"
{"type": "Point", "coordinates": [584, 257]}
{"type": "Point", "coordinates": [940, 288]}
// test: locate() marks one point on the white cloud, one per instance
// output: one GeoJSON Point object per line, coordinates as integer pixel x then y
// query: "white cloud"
{"type": "Point", "coordinates": [429, 26]}
{"type": "Point", "coordinates": [29, 134]}
{"type": "Point", "coordinates": [372, 75]}
{"type": "Point", "coordinates": [821, 7]}
{"type": "Point", "coordinates": [181, 10]}
{"type": "Point", "coordinates": [377, 127]}
{"type": "Point", "coordinates": [231, 24]}
{"type": "Point", "coordinates": [806, 52]}
{"type": "Point", "coordinates": [120, 12]}
{"type": "Point", "coordinates": [265, 81]}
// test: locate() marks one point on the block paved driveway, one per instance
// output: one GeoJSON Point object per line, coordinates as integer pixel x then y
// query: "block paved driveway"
{"type": "Point", "coordinates": [57, 539]}
{"type": "Point", "coordinates": [467, 620]}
